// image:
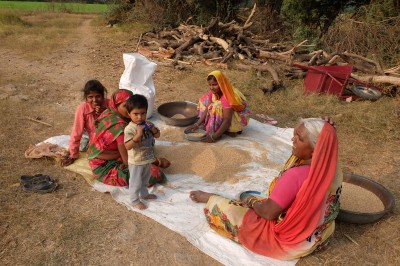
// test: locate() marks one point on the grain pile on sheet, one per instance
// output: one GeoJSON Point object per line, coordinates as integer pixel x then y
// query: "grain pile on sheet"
{"type": "Point", "coordinates": [214, 163]}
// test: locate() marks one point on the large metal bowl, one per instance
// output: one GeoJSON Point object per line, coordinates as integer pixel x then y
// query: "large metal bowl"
{"type": "Point", "coordinates": [186, 109]}
{"type": "Point", "coordinates": [380, 191]}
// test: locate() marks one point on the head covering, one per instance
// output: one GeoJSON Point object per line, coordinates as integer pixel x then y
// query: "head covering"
{"type": "Point", "coordinates": [232, 95]}
{"type": "Point", "coordinates": [110, 125]}
{"type": "Point", "coordinates": [118, 97]}
{"type": "Point", "coordinates": [303, 216]}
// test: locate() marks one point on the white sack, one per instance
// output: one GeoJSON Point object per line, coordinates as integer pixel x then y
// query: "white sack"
{"type": "Point", "coordinates": [138, 77]}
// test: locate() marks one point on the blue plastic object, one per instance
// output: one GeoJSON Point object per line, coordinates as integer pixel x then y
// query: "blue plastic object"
{"type": "Point", "coordinates": [146, 125]}
{"type": "Point", "coordinates": [252, 193]}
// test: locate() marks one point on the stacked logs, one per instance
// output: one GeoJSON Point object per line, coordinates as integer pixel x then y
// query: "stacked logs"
{"type": "Point", "coordinates": [220, 43]}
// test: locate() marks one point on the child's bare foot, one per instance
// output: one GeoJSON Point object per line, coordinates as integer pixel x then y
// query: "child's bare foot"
{"type": "Point", "coordinates": [200, 196]}
{"type": "Point", "coordinates": [150, 196]}
{"type": "Point", "coordinates": [140, 206]}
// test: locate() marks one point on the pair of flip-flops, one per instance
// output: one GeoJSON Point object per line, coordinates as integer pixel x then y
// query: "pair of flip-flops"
{"type": "Point", "coordinates": [38, 183]}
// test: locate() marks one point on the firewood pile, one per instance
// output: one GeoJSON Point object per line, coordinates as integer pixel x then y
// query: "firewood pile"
{"type": "Point", "coordinates": [221, 43]}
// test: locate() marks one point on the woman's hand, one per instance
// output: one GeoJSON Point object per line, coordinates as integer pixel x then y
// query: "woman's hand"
{"type": "Point", "coordinates": [67, 161]}
{"type": "Point", "coordinates": [163, 163]}
{"type": "Point", "coordinates": [209, 138]}
{"type": "Point", "coordinates": [226, 123]}
{"type": "Point", "coordinates": [97, 109]}
{"type": "Point", "coordinates": [192, 128]}
{"type": "Point", "coordinates": [249, 201]}
{"type": "Point", "coordinates": [330, 121]}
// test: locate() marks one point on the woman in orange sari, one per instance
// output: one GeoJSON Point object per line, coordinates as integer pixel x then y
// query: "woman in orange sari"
{"type": "Point", "coordinates": [299, 214]}
{"type": "Point", "coordinates": [222, 110]}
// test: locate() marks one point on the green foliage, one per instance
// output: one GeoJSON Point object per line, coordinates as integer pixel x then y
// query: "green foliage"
{"type": "Point", "coordinates": [379, 10]}
{"type": "Point", "coordinates": [313, 17]}
{"type": "Point", "coordinates": [170, 13]}
{"type": "Point", "coordinates": [54, 6]}
{"type": "Point", "coordinates": [224, 10]}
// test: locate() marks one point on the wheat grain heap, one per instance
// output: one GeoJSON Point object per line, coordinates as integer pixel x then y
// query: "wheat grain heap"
{"type": "Point", "coordinates": [213, 162]}
{"type": "Point", "coordinates": [357, 199]}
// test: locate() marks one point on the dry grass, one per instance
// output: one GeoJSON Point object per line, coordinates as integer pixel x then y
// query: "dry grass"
{"type": "Point", "coordinates": [49, 35]}
{"type": "Point", "coordinates": [76, 225]}
{"type": "Point", "coordinates": [362, 36]}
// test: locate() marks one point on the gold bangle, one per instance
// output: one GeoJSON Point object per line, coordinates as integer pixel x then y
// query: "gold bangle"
{"type": "Point", "coordinates": [159, 162]}
{"type": "Point", "coordinates": [250, 202]}
{"type": "Point", "coordinates": [253, 201]}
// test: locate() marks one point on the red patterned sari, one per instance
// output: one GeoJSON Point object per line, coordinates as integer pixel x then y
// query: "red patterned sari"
{"type": "Point", "coordinates": [309, 221]}
{"type": "Point", "coordinates": [110, 125]}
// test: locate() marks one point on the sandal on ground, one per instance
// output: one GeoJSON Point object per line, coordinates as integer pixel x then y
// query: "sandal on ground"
{"type": "Point", "coordinates": [32, 179]}
{"type": "Point", "coordinates": [41, 187]}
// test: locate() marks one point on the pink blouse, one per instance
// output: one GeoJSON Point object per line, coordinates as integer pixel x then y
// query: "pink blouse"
{"type": "Point", "coordinates": [287, 186]}
{"type": "Point", "coordinates": [85, 116]}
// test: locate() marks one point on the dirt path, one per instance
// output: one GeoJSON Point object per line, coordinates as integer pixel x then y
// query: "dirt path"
{"type": "Point", "coordinates": [74, 225]}
{"type": "Point", "coordinates": [72, 65]}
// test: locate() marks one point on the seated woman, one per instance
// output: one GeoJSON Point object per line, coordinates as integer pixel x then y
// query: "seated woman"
{"type": "Point", "coordinates": [108, 157]}
{"type": "Point", "coordinates": [299, 215]}
{"type": "Point", "coordinates": [222, 110]}
{"type": "Point", "coordinates": [85, 115]}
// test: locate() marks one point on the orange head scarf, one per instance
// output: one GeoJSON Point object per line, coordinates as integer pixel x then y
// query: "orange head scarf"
{"type": "Point", "coordinates": [232, 95]}
{"type": "Point", "coordinates": [302, 218]}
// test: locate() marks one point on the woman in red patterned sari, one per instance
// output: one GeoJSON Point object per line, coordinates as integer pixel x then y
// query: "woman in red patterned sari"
{"type": "Point", "coordinates": [108, 157]}
{"type": "Point", "coordinates": [299, 214]}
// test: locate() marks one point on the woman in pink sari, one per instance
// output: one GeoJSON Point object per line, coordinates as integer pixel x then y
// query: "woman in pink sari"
{"type": "Point", "coordinates": [299, 214]}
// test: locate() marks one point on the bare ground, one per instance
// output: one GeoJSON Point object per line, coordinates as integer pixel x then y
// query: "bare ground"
{"type": "Point", "coordinates": [77, 225]}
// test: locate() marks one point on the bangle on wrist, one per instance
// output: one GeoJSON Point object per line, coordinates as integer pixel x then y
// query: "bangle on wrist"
{"type": "Point", "coordinates": [252, 201]}
{"type": "Point", "coordinates": [159, 162]}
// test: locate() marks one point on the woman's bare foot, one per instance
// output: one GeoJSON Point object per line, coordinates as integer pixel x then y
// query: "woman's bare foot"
{"type": "Point", "coordinates": [140, 206]}
{"type": "Point", "coordinates": [150, 196]}
{"type": "Point", "coordinates": [200, 196]}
